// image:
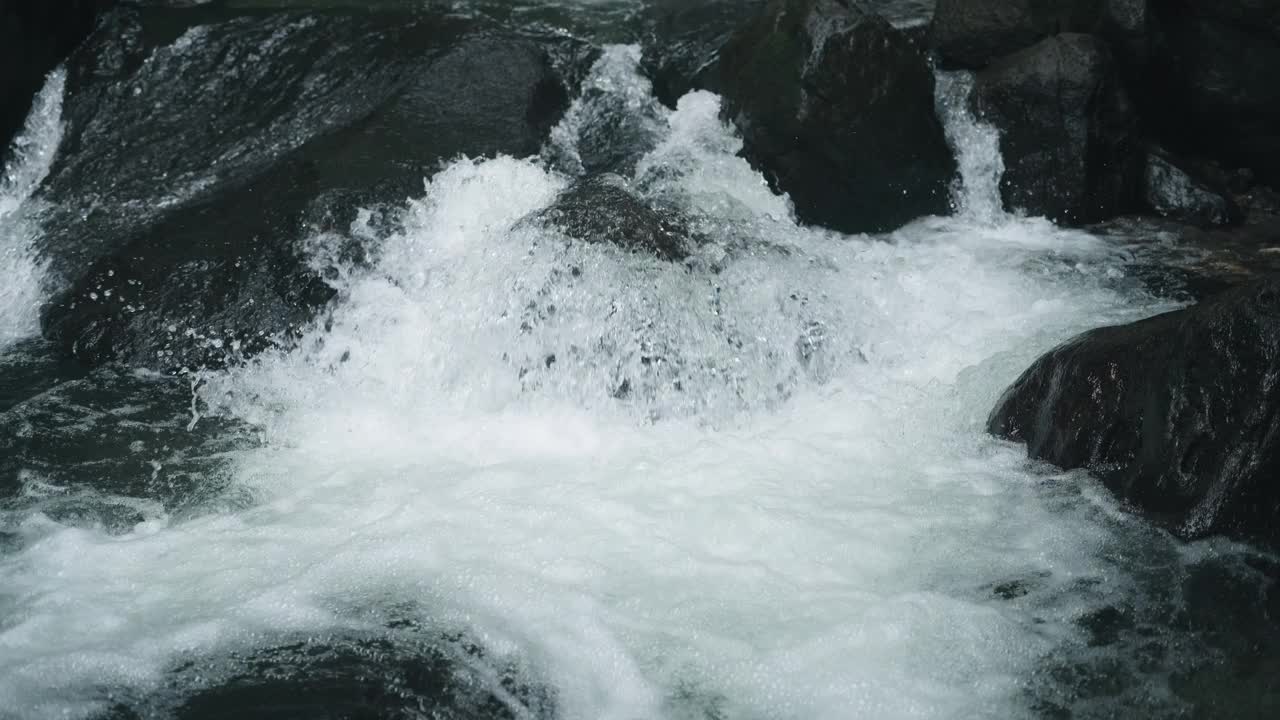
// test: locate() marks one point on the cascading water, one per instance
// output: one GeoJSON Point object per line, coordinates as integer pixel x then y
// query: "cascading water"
{"type": "Point", "coordinates": [753, 484]}
{"type": "Point", "coordinates": [21, 272]}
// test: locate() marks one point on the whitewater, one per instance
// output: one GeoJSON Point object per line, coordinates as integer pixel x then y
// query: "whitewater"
{"type": "Point", "coordinates": [753, 484]}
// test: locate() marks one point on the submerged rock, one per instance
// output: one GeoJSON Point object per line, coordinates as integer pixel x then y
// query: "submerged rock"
{"type": "Point", "coordinates": [400, 673]}
{"type": "Point", "coordinates": [1067, 130]}
{"type": "Point", "coordinates": [1179, 414]}
{"type": "Point", "coordinates": [602, 210]}
{"type": "Point", "coordinates": [187, 247]}
{"type": "Point", "coordinates": [837, 108]}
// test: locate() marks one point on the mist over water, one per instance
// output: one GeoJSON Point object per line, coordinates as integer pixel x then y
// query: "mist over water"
{"type": "Point", "coordinates": [753, 484]}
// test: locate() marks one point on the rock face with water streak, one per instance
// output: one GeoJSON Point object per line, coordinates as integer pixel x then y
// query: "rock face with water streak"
{"type": "Point", "coordinates": [1178, 414]}
{"type": "Point", "coordinates": [180, 240]}
{"type": "Point", "coordinates": [1067, 130]}
{"type": "Point", "coordinates": [836, 107]}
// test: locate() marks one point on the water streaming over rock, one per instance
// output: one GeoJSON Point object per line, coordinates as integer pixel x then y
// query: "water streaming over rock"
{"type": "Point", "coordinates": [512, 474]}
{"type": "Point", "coordinates": [21, 270]}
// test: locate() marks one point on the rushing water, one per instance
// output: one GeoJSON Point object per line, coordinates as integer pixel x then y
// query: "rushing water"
{"type": "Point", "coordinates": [29, 162]}
{"type": "Point", "coordinates": [751, 485]}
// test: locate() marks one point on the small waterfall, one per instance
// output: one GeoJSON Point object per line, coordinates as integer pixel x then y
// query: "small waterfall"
{"type": "Point", "coordinates": [976, 145]}
{"type": "Point", "coordinates": [21, 271]}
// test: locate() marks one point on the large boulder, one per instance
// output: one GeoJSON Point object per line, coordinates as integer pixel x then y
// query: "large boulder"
{"type": "Point", "coordinates": [1179, 414]}
{"type": "Point", "coordinates": [1204, 86]}
{"type": "Point", "coordinates": [34, 38]}
{"type": "Point", "coordinates": [837, 108]}
{"type": "Point", "coordinates": [179, 234]}
{"type": "Point", "coordinates": [972, 33]}
{"type": "Point", "coordinates": [1067, 130]}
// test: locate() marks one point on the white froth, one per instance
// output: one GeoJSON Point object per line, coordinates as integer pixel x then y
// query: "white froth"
{"type": "Point", "coordinates": [790, 511]}
{"type": "Point", "coordinates": [31, 156]}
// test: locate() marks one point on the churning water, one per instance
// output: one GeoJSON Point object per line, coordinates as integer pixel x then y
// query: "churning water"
{"type": "Point", "coordinates": [32, 154]}
{"type": "Point", "coordinates": [751, 485]}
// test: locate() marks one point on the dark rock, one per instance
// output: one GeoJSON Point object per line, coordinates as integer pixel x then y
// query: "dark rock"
{"type": "Point", "coordinates": [972, 33]}
{"type": "Point", "coordinates": [602, 210]}
{"type": "Point", "coordinates": [837, 108]}
{"type": "Point", "coordinates": [174, 265]}
{"type": "Point", "coordinates": [1203, 87]}
{"type": "Point", "coordinates": [34, 38]}
{"type": "Point", "coordinates": [167, 107]}
{"type": "Point", "coordinates": [683, 41]}
{"type": "Point", "coordinates": [1067, 130]}
{"type": "Point", "coordinates": [1173, 188]}
{"type": "Point", "coordinates": [1177, 414]}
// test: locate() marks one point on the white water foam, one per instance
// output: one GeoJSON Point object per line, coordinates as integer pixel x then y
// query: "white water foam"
{"type": "Point", "coordinates": [754, 485]}
{"type": "Point", "coordinates": [21, 271]}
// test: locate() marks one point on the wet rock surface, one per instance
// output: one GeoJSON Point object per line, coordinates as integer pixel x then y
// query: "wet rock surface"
{"type": "Point", "coordinates": [603, 210]}
{"type": "Point", "coordinates": [182, 245]}
{"type": "Point", "coordinates": [1067, 130]}
{"type": "Point", "coordinates": [1173, 188]}
{"type": "Point", "coordinates": [836, 107]}
{"type": "Point", "coordinates": [1176, 414]}
{"type": "Point", "coordinates": [972, 33]}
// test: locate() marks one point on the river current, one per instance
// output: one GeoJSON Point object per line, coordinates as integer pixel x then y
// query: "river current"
{"type": "Point", "coordinates": [588, 483]}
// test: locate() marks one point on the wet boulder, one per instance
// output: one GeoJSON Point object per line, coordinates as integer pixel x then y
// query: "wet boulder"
{"type": "Point", "coordinates": [1179, 414]}
{"type": "Point", "coordinates": [602, 210]}
{"type": "Point", "coordinates": [190, 243]}
{"type": "Point", "coordinates": [972, 33]}
{"type": "Point", "coordinates": [168, 106]}
{"type": "Point", "coordinates": [1067, 130]}
{"type": "Point", "coordinates": [34, 38]}
{"type": "Point", "coordinates": [1204, 86]}
{"type": "Point", "coordinates": [836, 107]}
{"type": "Point", "coordinates": [1173, 188]}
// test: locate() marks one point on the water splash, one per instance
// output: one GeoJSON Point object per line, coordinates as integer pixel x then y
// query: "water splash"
{"type": "Point", "coordinates": [976, 195]}
{"type": "Point", "coordinates": [31, 156]}
{"type": "Point", "coordinates": [752, 485]}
